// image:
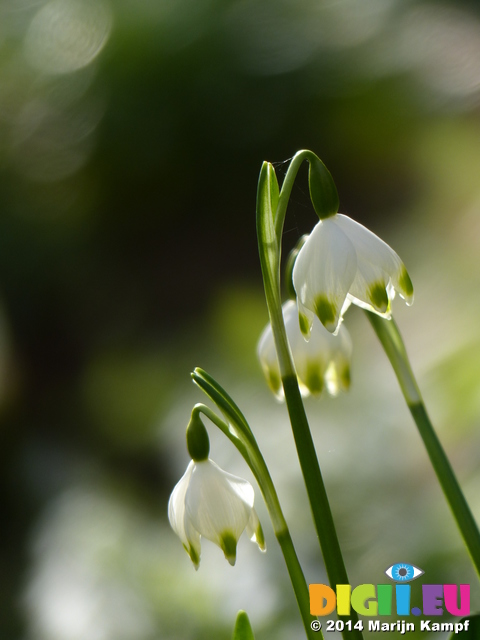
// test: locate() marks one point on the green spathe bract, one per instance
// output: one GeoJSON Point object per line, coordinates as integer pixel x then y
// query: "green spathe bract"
{"type": "Point", "coordinates": [323, 191]}
{"type": "Point", "coordinates": [198, 444]}
{"type": "Point", "coordinates": [267, 200]}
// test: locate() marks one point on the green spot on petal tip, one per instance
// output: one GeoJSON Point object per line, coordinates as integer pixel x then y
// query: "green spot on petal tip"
{"type": "Point", "coordinates": [274, 381]}
{"type": "Point", "coordinates": [314, 379]}
{"type": "Point", "coordinates": [194, 557]}
{"type": "Point", "coordinates": [405, 284]}
{"type": "Point", "coordinates": [228, 544]}
{"type": "Point", "coordinates": [326, 312]}
{"type": "Point", "coordinates": [378, 296]}
{"type": "Point", "coordinates": [260, 538]}
{"type": "Point", "coordinates": [304, 324]}
{"type": "Point", "coordinates": [345, 378]}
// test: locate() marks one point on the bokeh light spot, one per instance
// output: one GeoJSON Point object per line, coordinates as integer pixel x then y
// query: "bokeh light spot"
{"type": "Point", "coordinates": [66, 35]}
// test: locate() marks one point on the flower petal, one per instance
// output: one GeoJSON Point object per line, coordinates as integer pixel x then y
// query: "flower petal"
{"type": "Point", "coordinates": [267, 356]}
{"type": "Point", "coordinates": [255, 532]}
{"type": "Point", "coordinates": [402, 283]}
{"type": "Point", "coordinates": [377, 265]}
{"type": "Point", "coordinates": [298, 345]}
{"type": "Point", "coordinates": [313, 359]}
{"type": "Point", "coordinates": [218, 503]}
{"type": "Point", "coordinates": [194, 547]}
{"type": "Point", "coordinates": [337, 377]}
{"type": "Point", "coordinates": [324, 271]}
{"type": "Point", "coordinates": [305, 319]}
{"type": "Point", "coordinates": [179, 519]}
{"type": "Point", "coordinates": [228, 544]}
{"type": "Point", "coordinates": [176, 504]}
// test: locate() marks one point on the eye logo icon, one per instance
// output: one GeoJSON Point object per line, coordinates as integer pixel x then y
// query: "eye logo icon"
{"type": "Point", "coordinates": [403, 572]}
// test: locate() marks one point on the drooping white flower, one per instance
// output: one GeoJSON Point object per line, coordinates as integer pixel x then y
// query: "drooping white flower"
{"type": "Point", "coordinates": [343, 262]}
{"type": "Point", "coordinates": [322, 362]}
{"type": "Point", "coordinates": [210, 502]}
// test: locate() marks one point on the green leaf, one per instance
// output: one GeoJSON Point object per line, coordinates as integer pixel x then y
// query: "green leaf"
{"type": "Point", "coordinates": [473, 631]}
{"type": "Point", "coordinates": [243, 629]}
{"type": "Point", "coordinates": [273, 188]}
{"type": "Point", "coordinates": [323, 191]}
{"type": "Point", "coordinates": [220, 397]}
{"type": "Point", "coordinates": [268, 240]}
{"type": "Point", "coordinates": [267, 201]}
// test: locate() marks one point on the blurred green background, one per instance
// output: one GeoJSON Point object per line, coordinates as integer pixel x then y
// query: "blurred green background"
{"type": "Point", "coordinates": [131, 137]}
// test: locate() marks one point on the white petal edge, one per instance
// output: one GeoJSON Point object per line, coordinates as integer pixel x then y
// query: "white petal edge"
{"type": "Point", "coordinates": [179, 519]}
{"type": "Point", "coordinates": [376, 261]}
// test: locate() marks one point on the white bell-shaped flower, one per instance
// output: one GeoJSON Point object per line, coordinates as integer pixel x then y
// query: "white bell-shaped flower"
{"type": "Point", "coordinates": [210, 502]}
{"type": "Point", "coordinates": [322, 362]}
{"type": "Point", "coordinates": [343, 262]}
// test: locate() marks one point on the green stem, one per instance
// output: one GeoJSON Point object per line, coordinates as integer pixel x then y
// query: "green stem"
{"type": "Point", "coordinates": [270, 220]}
{"type": "Point", "coordinates": [253, 457]}
{"type": "Point", "coordinates": [287, 187]}
{"type": "Point", "coordinates": [389, 335]}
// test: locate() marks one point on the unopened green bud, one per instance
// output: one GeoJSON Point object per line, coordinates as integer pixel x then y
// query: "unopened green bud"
{"type": "Point", "coordinates": [198, 444]}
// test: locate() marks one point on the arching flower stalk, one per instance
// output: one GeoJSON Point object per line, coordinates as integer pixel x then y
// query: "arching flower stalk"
{"type": "Point", "coordinates": [210, 502]}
